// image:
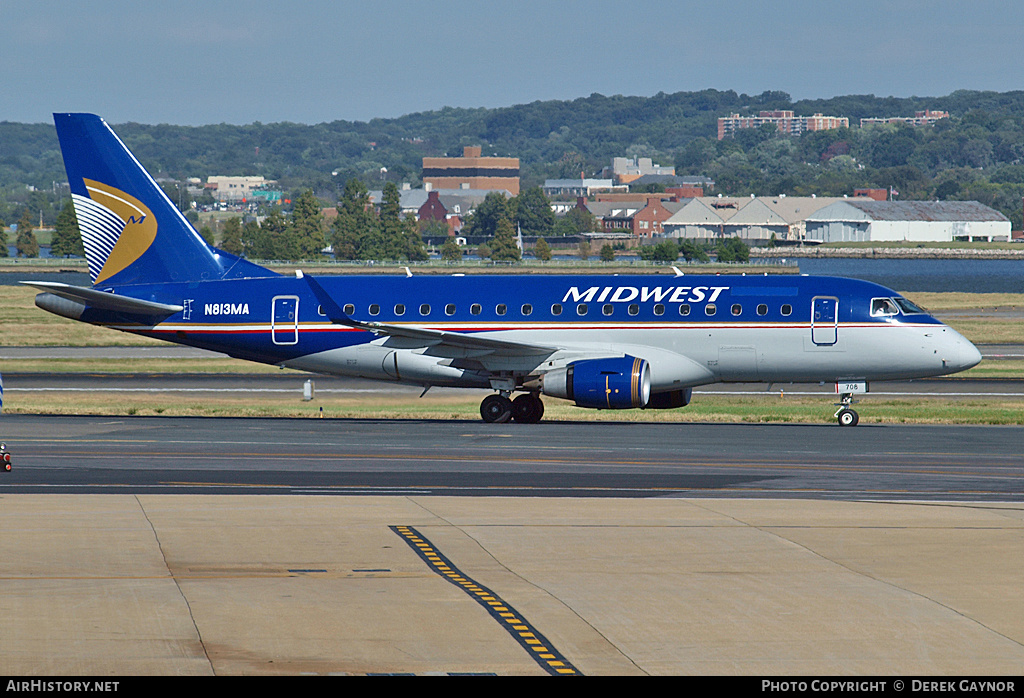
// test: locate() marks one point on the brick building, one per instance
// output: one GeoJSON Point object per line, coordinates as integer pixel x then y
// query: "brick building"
{"type": "Point", "coordinates": [472, 171]}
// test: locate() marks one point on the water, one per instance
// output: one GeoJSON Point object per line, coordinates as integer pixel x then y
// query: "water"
{"type": "Point", "coordinates": [75, 278]}
{"type": "Point", "coordinates": [942, 275]}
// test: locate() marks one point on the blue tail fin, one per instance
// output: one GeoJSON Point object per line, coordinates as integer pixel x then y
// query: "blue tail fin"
{"type": "Point", "coordinates": [131, 231]}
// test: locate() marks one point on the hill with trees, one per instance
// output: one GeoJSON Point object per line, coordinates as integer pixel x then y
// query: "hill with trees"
{"type": "Point", "coordinates": [975, 154]}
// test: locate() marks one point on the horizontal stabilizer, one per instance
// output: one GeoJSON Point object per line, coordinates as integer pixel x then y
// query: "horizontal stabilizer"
{"type": "Point", "coordinates": [102, 300]}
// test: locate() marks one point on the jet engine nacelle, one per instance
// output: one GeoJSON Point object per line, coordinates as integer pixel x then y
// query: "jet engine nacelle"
{"type": "Point", "coordinates": [616, 384]}
{"type": "Point", "coordinates": [670, 400]}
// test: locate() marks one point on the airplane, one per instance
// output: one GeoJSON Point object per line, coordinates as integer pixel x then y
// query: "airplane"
{"type": "Point", "coordinates": [600, 341]}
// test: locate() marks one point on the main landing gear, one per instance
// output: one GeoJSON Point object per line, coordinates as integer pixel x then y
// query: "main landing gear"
{"type": "Point", "coordinates": [5, 458]}
{"type": "Point", "coordinates": [846, 416]}
{"type": "Point", "coordinates": [497, 409]}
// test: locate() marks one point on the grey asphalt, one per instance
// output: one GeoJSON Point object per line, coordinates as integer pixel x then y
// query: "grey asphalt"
{"type": "Point", "coordinates": [200, 546]}
{"type": "Point", "coordinates": [349, 456]}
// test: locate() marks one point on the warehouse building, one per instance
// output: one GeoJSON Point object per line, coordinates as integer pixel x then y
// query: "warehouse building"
{"type": "Point", "coordinates": [853, 220]}
{"type": "Point", "coordinates": [756, 219]}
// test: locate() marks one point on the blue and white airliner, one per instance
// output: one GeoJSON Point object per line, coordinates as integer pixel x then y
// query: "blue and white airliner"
{"type": "Point", "coordinates": [603, 342]}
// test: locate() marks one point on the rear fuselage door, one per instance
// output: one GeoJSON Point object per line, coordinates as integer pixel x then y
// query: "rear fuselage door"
{"type": "Point", "coordinates": [824, 320]}
{"type": "Point", "coordinates": [284, 320]}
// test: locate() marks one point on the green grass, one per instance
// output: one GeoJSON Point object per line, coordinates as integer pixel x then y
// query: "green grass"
{"type": "Point", "coordinates": [1003, 368]}
{"type": "Point", "coordinates": [22, 324]}
{"type": "Point", "coordinates": [762, 408]}
{"type": "Point", "coordinates": [212, 365]}
{"type": "Point", "coordinates": [966, 301]}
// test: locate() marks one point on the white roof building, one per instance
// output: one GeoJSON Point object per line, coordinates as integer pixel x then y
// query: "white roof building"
{"type": "Point", "coordinates": [750, 218]}
{"type": "Point", "coordinates": [863, 220]}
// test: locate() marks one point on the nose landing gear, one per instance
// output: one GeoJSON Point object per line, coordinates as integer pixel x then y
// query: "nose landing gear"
{"type": "Point", "coordinates": [846, 416]}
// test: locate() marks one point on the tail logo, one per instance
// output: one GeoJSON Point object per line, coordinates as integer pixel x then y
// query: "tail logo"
{"type": "Point", "coordinates": [116, 228]}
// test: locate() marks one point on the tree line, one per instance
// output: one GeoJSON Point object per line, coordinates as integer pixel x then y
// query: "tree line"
{"type": "Point", "coordinates": [976, 153]}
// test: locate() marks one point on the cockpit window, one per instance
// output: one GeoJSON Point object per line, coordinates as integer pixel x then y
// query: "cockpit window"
{"type": "Point", "coordinates": [882, 307]}
{"type": "Point", "coordinates": [907, 307]}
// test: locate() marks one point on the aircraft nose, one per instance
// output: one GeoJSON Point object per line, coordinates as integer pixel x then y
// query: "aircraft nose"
{"type": "Point", "coordinates": [969, 354]}
{"type": "Point", "coordinates": [959, 353]}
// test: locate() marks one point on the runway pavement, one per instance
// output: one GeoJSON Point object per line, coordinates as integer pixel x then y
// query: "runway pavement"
{"type": "Point", "coordinates": [592, 459]}
{"type": "Point", "coordinates": [138, 545]}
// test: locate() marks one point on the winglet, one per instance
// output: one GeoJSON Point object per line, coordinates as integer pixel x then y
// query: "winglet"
{"type": "Point", "coordinates": [678, 271]}
{"type": "Point", "coordinates": [330, 307]}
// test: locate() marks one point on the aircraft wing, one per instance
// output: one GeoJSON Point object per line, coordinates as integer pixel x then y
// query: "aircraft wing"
{"type": "Point", "coordinates": [428, 337]}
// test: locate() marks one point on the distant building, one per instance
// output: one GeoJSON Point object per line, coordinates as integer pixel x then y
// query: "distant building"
{"type": "Point", "coordinates": [579, 187]}
{"type": "Point", "coordinates": [432, 209]}
{"type": "Point", "coordinates": [921, 118]}
{"type": "Point", "coordinates": [785, 121]}
{"type": "Point", "coordinates": [854, 220]}
{"type": "Point", "coordinates": [876, 194]}
{"type": "Point", "coordinates": [751, 218]}
{"type": "Point", "coordinates": [234, 189]}
{"type": "Point", "coordinates": [450, 206]}
{"type": "Point", "coordinates": [674, 182]}
{"type": "Point", "coordinates": [643, 218]}
{"type": "Point", "coordinates": [472, 171]}
{"type": "Point", "coordinates": [625, 170]}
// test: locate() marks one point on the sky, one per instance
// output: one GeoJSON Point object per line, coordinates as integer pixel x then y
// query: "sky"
{"type": "Point", "coordinates": [313, 61]}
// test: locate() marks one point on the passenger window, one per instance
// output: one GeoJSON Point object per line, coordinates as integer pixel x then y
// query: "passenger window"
{"type": "Point", "coordinates": [527, 309]}
{"type": "Point", "coordinates": [399, 309]}
{"type": "Point", "coordinates": [659, 309]}
{"type": "Point", "coordinates": [762, 309]}
{"type": "Point", "coordinates": [374, 309]}
{"type": "Point", "coordinates": [475, 309]}
{"type": "Point", "coordinates": [608, 309]}
{"type": "Point", "coordinates": [710, 309]}
{"type": "Point", "coordinates": [501, 309]}
{"type": "Point", "coordinates": [449, 309]}
{"type": "Point", "coordinates": [581, 309]}
{"type": "Point", "coordinates": [883, 307]}
{"type": "Point", "coordinates": [684, 309]}
{"type": "Point", "coordinates": [787, 309]}
{"type": "Point", "coordinates": [737, 309]}
{"type": "Point", "coordinates": [556, 309]}
{"type": "Point", "coordinates": [349, 309]}
{"type": "Point", "coordinates": [425, 309]}
{"type": "Point", "coordinates": [634, 309]}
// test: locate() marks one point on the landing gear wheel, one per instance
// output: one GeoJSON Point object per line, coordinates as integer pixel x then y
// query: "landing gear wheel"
{"type": "Point", "coordinates": [848, 418]}
{"type": "Point", "coordinates": [496, 409]}
{"type": "Point", "coordinates": [527, 409]}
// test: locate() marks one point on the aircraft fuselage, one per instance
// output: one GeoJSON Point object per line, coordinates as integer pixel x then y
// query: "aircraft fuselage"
{"type": "Point", "coordinates": [692, 330]}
